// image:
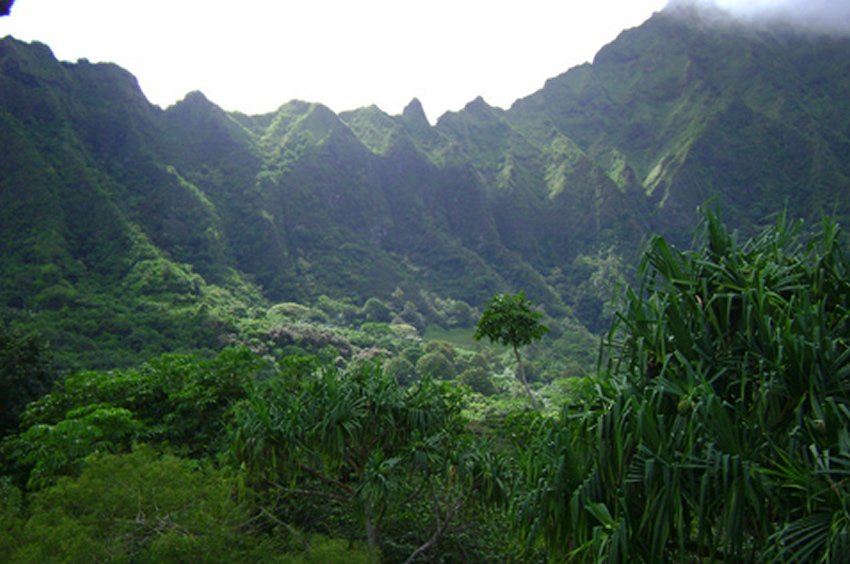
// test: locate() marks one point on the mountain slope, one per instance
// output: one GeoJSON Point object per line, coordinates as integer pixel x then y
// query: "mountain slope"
{"type": "Point", "coordinates": [691, 106]}
{"type": "Point", "coordinates": [102, 244]}
{"type": "Point", "coordinates": [124, 223]}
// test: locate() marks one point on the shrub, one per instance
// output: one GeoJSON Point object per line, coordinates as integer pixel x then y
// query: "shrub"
{"type": "Point", "coordinates": [296, 312]}
{"type": "Point", "coordinates": [138, 506]}
{"type": "Point", "coordinates": [401, 370]}
{"type": "Point", "coordinates": [377, 311]}
{"type": "Point", "coordinates": [309, 337]}
{"type": "Point", "coordinates": [435, 365]}
{"type": "Point", "coordinates": [479, 380]}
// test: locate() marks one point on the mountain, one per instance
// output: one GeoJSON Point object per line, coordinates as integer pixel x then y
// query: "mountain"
{"type": "Point", "coordinates": [126, 227]}
{"type": "Point", "coordinates": [692, 106]}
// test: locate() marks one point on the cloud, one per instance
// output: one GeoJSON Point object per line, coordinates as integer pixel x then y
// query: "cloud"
{"type": "Point", "coordinates": [822, 16]}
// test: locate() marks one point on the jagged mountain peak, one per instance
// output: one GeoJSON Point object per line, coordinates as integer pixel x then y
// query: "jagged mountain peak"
{"type": "Point", "coordinates": [196, 98]}
{"type": "Point", "coordinates": [304, 121]}
{"type": "Point", "coordinates": [201, 108]}
{"type": "Point", "coordinates": [413, 114]}
{"type": "Point", "coordinates": [307, 202]}
{"type": "Point", "coordinates": [478, 105]}
{"type": "Point", "coordinates": [373, 127]}
{"type": "Point", "coordinates": [9, 43]}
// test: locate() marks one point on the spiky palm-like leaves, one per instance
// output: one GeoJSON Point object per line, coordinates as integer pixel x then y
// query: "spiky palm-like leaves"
{"type": "Point", "coordinates": [721, 432]}
{"type": "Point", "coordinates": [360, 439]}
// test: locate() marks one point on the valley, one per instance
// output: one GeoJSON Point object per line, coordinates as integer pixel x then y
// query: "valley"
{"type": "Point", "coordinates": [279, 310]}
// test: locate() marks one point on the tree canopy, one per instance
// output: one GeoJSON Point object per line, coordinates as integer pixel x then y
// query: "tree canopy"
{"type": "Point", "coordinates": [511, 320]}
{"type": "Point", "coordinates": [362, 440]}
{"type": "Point", "coordinates": [715, 429]}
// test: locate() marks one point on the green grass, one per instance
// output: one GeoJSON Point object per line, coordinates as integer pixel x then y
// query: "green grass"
{"type": "Point", "coordinates": [458, 336]}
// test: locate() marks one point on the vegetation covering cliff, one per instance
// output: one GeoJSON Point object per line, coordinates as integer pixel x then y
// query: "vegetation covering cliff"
{"type": "Point", "coordinates": [156, 228]}
{"type": "Point", "coordinates": [253, 338]}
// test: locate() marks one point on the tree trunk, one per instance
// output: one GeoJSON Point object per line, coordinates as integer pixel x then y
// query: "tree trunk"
{"type": "Point", "coordinates": [371, 532]}
{"type": "Point", "coordinates": [442, 525]}
{"type": "Point", "coordinates": [520, 373]}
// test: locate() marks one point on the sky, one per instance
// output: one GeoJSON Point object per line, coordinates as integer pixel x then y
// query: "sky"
{"type": "Point", "coordinates": [254, 55]}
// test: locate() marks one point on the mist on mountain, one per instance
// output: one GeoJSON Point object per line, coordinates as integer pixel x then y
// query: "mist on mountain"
{"type": "Point", "coordinates": [830, 17]}
{"type": "Point", "coordinates": [147, 223]}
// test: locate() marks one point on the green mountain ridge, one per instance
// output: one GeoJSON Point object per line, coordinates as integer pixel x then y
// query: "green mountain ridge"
{"type": "Point", "coordinates": [167, 223]}
{"type": "Point", "coordinates": [688, 110]}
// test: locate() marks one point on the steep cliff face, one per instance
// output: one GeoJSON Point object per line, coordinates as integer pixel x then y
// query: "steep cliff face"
{"type": "Point", "coordinates": [692, 106]}
{"type": "Point", "coordinates": [104, 243]}
{"type": "Point", "coordinates": [108, 200]}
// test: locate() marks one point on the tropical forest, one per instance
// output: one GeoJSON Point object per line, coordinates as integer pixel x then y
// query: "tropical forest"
{"type": "Point", "coordinates": [610, 323]}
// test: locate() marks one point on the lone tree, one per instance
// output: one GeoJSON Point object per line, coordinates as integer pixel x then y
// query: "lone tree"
{"type": "Point", "coordinates": [510, 320]}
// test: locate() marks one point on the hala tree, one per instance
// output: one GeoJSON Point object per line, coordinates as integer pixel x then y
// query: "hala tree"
{"type": "Point", "coordinates": [721, 430]}
{"type": "Point", "coordinates": [360, 441]}
{"type": "Point", "coordinates": [510, 320]}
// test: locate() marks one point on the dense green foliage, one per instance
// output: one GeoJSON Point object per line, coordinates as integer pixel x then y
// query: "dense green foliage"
{"type": "Point", "coordinates": [25, 374]}
{"type": "Point", "coordinates": [176, 400]}
{"type": "Point", "coordinates": [253, 338]}
{"type": "Point", "coordinates": [253, 453]}
{"type": "Point", "coordinates": [722, 428]}
{"type": "Point", "coordinates": [715, 429]}
{"type": "Point", "coordinates": [127, 230]}
{"type": "Point", "coordinates": [146, 507]}
{"type": "Point", "coordinates": [359, 439]}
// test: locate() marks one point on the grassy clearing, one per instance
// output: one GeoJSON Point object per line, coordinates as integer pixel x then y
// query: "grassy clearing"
{"type": "Point", "coordinates": [457, 336]}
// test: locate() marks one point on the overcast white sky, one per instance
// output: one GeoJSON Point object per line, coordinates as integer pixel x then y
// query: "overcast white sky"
{"type": "Point", "coordinates": [254, 55]}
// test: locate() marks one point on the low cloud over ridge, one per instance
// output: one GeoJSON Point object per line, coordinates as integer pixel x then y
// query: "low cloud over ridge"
{"type": "Point", "coordinates": [823, 16]}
